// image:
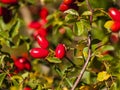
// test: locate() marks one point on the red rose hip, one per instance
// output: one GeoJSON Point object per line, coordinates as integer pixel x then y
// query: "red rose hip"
{"type": "Point", "coordinates": [42, 41]}
{"type": "Point", "coordinates": [34, 25]}
{"type": "Point", "coordinates": [19, 63]}
{"type": "Point", "coordinates": [39, 52]}
{"type": "Point", "coordinates": [41, 31]}
{"type": "Point", "coordinates": [63, 7]}
{"type": "Point", "coordinates": [114, 14]}
{"type": "Point", "coordinates": [68, 2]}
{"type": "Point", "coordinates": [60, 51]}
{"type": "Point", "coordinates": [43, 13]}
{"type": "Point", "coordinates": [22, 63]}
{"type": "Point", "coordinates": [115, 27]}
{"type": "Point", "coordinates": [27, 88]}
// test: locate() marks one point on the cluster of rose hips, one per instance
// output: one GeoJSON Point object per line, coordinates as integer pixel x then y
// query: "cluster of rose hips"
{"type": "Point", "coordinates": [39, 34]}
{"type": "Point", "coordinates": [114, 13]}
{"type": "Point", "coordinates": [22, 63]}
{"type": "Point", "coordinates": [6, 12]}
{"type": "Point", "coordinates": [69, 4]}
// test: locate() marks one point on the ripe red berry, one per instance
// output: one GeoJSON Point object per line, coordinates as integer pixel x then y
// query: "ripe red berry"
{"type": "Point", "coordinates": [114, 14]}
{"type": "Point", "coordinates": [60, 51]}
{"type": "Point", "coordinates": [43, 22]}
{"type": "Point", "coordinates": [42, 41]}
{"type": "Point", "coordinates": [34, 25]}
{"type": "Point", "coordinates": [115, 27]}
{"type": "Point", "coordinates": [27, 88]}
{"type": "Point", "coordinates": [41, 31]}
{"type": "Point", "coordinates": [43, 13]}
{"type": "Point", "coordinates": [63, 7]}
{"type": "Point", "coordinates": [19, 63]}
{"type": "Point", "coordinates": [9, 1]}
{"type": "Point", "coordinates": [68, 2]}
{"type": "Point", "coordinates": [39, 52]}
{"type": "Point", "coordinates": [27, 66]}
{"type": "Point", "coordinates": [22, 63]}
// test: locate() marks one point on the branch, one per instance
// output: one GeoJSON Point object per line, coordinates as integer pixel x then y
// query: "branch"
{"type": "Point", "coordinates": [89, 50]}
{"type": "Point", "coordinates": [86, 63]}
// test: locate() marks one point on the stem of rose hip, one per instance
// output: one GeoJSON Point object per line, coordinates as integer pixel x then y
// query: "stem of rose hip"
{"type": "Point", "coordinates": [89, 50]}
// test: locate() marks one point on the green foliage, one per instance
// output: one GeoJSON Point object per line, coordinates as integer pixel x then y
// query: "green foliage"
{"type": "Point", "coordinates": [51, 72]}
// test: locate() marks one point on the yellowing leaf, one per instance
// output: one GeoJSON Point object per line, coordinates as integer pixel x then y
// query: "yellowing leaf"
{"type": "Point", "coordinates": [65, 88]}
{"type": "Point", "coordinates": [13, 88]}
{"type": "Point", "coordinates": [49, 79]}
{"type": "Point", "coordinates": [86, 88]}
{"type": "Point", "coordinates": [103, 76]}
{"type": "Point", "coordinates": [108, 24]}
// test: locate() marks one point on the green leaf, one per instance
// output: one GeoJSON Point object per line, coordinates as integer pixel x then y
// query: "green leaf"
{"type": "Point", "coordinates": [85, 52]}
{"type": "Point", "coordinates": [15, 29]}
{"type": "Point", "coordinates": [54, 60]}
{"type": "Point", "coordinates": [2, 77]}
{"type": "Point", "coordinates": [78, 28]}
{"type": "Point", "coordinates": [86, 13]}
{"type": "Point", "coordinates": [72, 12]}
{"type": "Point", "coordinates": [70, 18]}
{"type": "Point", "coordinates": [107, 48]}
{"type": "Point", "coordinates": [106, 58]}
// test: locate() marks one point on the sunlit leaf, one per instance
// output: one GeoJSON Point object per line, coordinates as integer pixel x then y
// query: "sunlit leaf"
{"type": "Point", "coordinates": [72, 12]}
{"type": "Point", "coordinates": [108, 24]}
{"type": "Point", "coordinates": [13, 88]}
{"type": "Point", "coordinates": [78, 28]}
{"type": "Point", "coordinates": [87, 13]}
{"type": "Point", "coordinates": [54, 60]}
{"type": "Point", "coordinates": [103, 76]}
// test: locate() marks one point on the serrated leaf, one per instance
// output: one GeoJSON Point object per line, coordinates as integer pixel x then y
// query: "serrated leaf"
{"type": "Point", "coordinates": [2, 77]}
{"type": "Point", "coordinates": [72, 12]}
{"type": "Point", "coordinates": [103, 76]}
{"type": "Point", "coordinates": [86, 13]}
{"type": "Point", "coordinates": [54, 60]}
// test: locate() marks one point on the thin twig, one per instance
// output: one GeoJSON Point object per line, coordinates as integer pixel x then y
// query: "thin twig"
{"type": "Point", "coordinates": [85, 65]}
{"type": "Point", "coordinates": [89, 50]}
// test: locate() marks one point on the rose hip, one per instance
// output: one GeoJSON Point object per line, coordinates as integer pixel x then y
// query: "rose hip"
{"type": "Point", "coordinates": [39, 52]}
{"type": "Point", "coordinates": [60, 51]}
